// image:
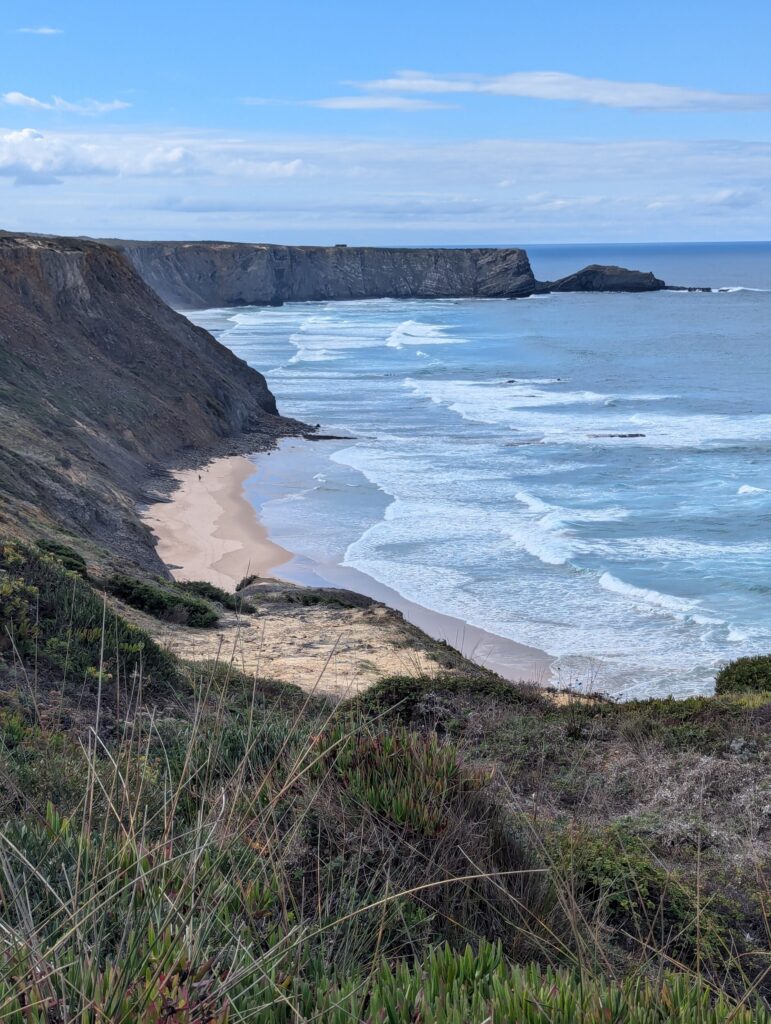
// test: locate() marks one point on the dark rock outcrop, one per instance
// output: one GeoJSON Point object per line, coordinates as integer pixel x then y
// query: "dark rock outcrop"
{"type": "Point", "coordinates": [102, 385]}
{"type": "Point", "coordinates": [597, 278]}
{"type": "Point", "coordinates": [199, 274]}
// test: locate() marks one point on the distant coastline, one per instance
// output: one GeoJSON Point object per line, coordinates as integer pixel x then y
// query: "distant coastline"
{"type": "Point", "coordinates": [554, 471]}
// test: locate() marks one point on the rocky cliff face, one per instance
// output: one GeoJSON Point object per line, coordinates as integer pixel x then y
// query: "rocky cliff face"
{"type": "Point", "coordinates": [194, 275]}
{"type": "Point", "coordinates": [200, 274]}
{"type": "Point", "coordinates": [101, 386]}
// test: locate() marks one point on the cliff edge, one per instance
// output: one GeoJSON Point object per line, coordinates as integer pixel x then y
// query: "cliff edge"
{"type": "Point", "coordinates": [197, 275]}
{"type": "Point", "coordinates": [102, 386]}
{"type": "Point", "coordinates": [204, 274]}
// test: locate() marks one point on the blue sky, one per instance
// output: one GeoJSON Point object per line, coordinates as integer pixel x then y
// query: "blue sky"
{"type": "Point", "coordinates": [421, 122]}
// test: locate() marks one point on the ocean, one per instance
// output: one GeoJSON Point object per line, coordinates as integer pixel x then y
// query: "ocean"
{"type": "Point", "coordinates": [589, 475]}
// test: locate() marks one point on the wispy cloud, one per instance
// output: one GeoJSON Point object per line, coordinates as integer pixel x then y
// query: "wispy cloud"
{"type": "Point", "coordinates": [177, 183]}
{"type": "Point", "coordinates": [558, 85]}
{"type": "Point", "coordinates": [376, 103]}
{"type": "Point", "coordinates": [43, 30]}
{"type": "Point", "coordinates": [352, 103]}
{"type": "Point", "coordinates": [56, 103]}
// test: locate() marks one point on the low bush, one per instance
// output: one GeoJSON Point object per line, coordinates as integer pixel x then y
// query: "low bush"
{"type": "Point", "coordinates": [613, 873]}
{"type": "Point", "coordinates": [307, 597]}
{"type": "Point", "coordinates": [18, 603]}
{"type": "Point", "coordinates": [246, 582]}
{"type": "Point", "coordinates": [69, 558]}
{"type": "Point", "coordinates": [398, 697]}
{"type": "Point", "coordinates": [745, 674]}
{"type": "Point", "coordinates": [402, 776]}
{"type": "Point", "coordinates": [163, 603]}
{"type": "Point", "coordinates": [211, 593]}
{"type": "Point", "coordinates": [53, 616]}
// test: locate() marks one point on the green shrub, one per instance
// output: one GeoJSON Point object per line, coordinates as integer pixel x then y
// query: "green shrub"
{"type": "Point", "coordinates": [17, 614]}
{"type": "Point", "coordinates": [37, 766]}
{"type": "Point", "coordinates": [211, 593]}
{"type": "Point", "coordinates": [163, 603]}
{"type": "Point", "coordinates": [307, 597]}
{"type": "Point", "coordinates": [246, 582]}
{"type": "Point", "coordinates": [611, 870]}
{"type": "Point", "coordinates": [745, 674]}
{"type": "Point", "coordinates": [401, 775]}
{"type": "Point", "coordinates": [69, 558]}
{"type": "Point", "coordinates": [397, 697]}
{"type": "Point", "coordinates": [57, 617]}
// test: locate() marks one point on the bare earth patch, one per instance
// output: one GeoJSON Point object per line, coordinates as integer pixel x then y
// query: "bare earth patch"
{"type": "Point", "coordinates": [311, 638]}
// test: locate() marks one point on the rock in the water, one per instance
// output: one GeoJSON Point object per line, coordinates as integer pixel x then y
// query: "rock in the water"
{"type": "Point", "coordinates": [607, 279]}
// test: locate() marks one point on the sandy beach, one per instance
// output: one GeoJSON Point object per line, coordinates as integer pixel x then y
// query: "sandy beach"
{"type": "Point", "coordinates": [208, 530]}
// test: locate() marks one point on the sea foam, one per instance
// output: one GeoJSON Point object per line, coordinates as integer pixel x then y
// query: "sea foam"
{"type": "Point", "coordinates": [641, 595]}
{"type": "Point", "coordinates": [412, 332]}
{"type": "Point", "coordinates": [519, 479]}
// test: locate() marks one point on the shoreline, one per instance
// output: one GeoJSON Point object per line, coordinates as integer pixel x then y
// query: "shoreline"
{"type": "Point", "coordinates": [207, 529]}
{"type": "Point", "coordinates": [513, 661]}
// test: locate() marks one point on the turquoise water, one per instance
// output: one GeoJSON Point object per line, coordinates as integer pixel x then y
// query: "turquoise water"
{"type": "Point", "coordinates": [586, 474]}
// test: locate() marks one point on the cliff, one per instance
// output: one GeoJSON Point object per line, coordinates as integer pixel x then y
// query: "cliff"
{"type": "Point", "coordinates": [201, 274]}
{"type": "Point", "coordinates": [192, 275]}
{"type": "Point", "coordinates": [102, 386]}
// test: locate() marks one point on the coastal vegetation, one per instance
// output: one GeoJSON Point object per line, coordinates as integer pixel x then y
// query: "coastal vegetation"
{"type": "Point", "coordinates": [209, 592]}
{"type": "Point", "coordinates": [191, 603]}
{"type": "Point", "coordinates": [753, 674]}
{"type": "Point", "coordinates": [180, 841]}
{"type": "Point", "coordinates": [163, 602]}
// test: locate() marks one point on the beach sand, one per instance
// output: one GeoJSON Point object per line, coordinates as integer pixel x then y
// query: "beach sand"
{"type": "Point", "coordinates": [208, 530]}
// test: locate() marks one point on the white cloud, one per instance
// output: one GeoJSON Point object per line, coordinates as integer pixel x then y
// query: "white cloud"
{"type": "Point", "coordinates": [31, 157]}
{"type": "Point", "coordinates": [558, 85]}
{"type": "Point", "coordinates": [376, 103]}
{"type": "Point", "coordinates": [20, 99]}
{"type": "Point", "coordinates": [189, 184]}
{"type": "Point", "coordinates": [43, 30]}
{"type": "Point", "coordinates": [351, 103]}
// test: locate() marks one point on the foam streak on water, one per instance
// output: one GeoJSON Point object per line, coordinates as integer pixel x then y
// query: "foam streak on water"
{"type": "Point", "coordinates": [585, 474]}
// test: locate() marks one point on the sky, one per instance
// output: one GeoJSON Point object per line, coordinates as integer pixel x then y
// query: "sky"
{"type": "Point", "coordinates": [418, 122]}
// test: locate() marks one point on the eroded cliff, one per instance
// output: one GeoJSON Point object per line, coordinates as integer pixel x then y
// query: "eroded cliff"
{"type": "Point", "coordinates": [101, 386]}
{"type": "Point", "coordinates": [200, 274]}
